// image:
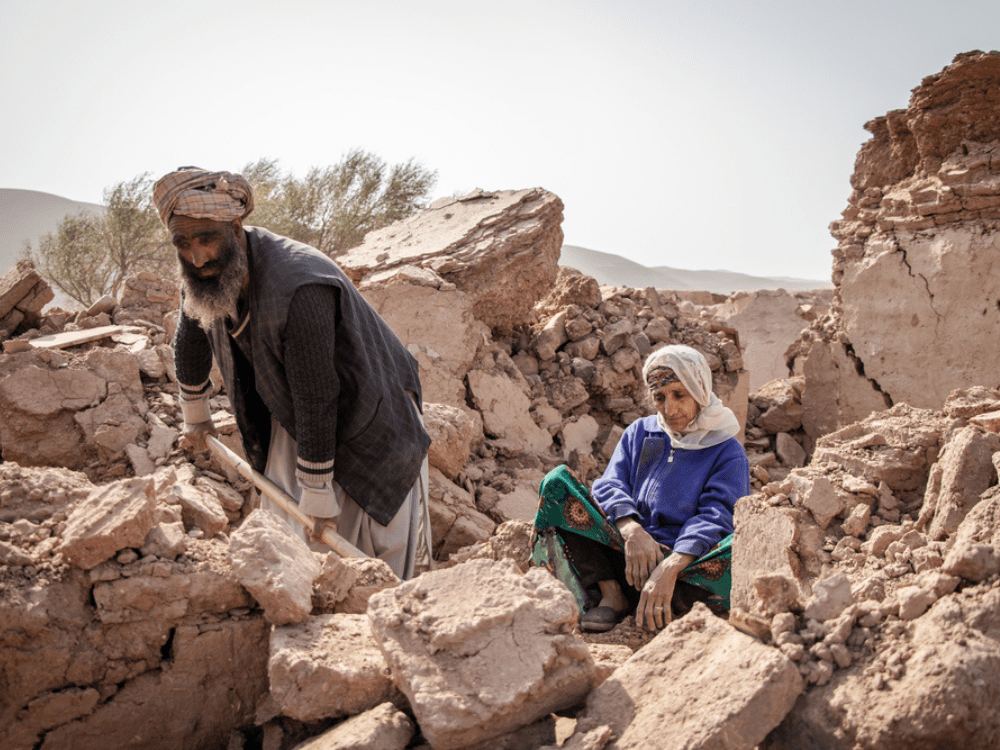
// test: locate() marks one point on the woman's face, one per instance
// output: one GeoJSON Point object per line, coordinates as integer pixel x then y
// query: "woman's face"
{"type": "Point", "coordinates": [676, 405]}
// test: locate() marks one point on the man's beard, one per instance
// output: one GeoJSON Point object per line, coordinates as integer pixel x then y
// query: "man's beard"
{"type": "Point", "coordinates": [211, 298]}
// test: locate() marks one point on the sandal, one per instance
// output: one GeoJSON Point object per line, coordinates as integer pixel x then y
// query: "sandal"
{"type": "Point", "coordinates": [600, 619]}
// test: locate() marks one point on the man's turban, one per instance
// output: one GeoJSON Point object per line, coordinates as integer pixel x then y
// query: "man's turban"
{"type": "Point", "coordinates": [190, 191]}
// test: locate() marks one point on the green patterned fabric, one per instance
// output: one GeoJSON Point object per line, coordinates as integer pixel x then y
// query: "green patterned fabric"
{"type": "Point", "coordinates": [565, 504]}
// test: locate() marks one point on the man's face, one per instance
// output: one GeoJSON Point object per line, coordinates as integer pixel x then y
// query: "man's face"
{"type": "Point", "coordinates": [205, 248]}
{"type": "Point", "coordinates": [214, 266]}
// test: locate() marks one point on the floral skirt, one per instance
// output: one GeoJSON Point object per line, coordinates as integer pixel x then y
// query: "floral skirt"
{"type": "Point", "coordinates": [565, 506]}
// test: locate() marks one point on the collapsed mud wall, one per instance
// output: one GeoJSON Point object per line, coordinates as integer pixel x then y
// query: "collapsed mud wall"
{"type": "Point", "coordinates": [141, 606]}
{"type": "Point", "coordinates": [555, 379]}
{"type": "Point", "coordinates": [918, 255]}
{"type": "Point", "coordinates": [122, 601]}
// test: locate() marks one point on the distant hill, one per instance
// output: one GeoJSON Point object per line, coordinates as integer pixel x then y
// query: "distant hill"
{"type": "Point", "coordinates": [25, 215]}
{"type": "Point", "coordinates": [614, 270]}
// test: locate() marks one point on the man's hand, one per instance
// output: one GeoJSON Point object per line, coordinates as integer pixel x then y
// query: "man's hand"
{"type": "Point", "coordinates": [642, 552]}
{"type": "Point", "coordinates": [194, 436]}
{"type": "Point", "coordinates": [318, 525]}
{"type": "Point", "coordinates": [653, 612]}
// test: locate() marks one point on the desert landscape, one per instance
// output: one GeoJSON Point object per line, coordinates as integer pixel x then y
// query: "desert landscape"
{"type": "Point", "coordinates": [146, 601]}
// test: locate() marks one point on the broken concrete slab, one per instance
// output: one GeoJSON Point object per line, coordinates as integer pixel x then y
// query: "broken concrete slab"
{"type": "Point", "coordinates": [110, 519]}
{"type": "Point", "coordinates": [274, 565]}
{"type": "Point", "coordinates": [480, 649]}
{"type": "Point", "coordinates": [455, 520]}
{"type": "Point", "coordinates": [200, 509]}
{"type": "Point", "coordinates": [780, 404]}
{"type": "Point", "coordinates": [454, 432]}
{"type": "Point", "coordinates": [964, 471]}
{"type": "Point", "coordinates": [435, 321]}
{"type": "Point", "coordinates": [63, 340]}
{"type": "Point", "coordinates": [327, 666]}
{"type": "Point", "coordinates": [506, 411]}
{"type": "Point", "coordinates": [500, 248]}
{"type": "Point", "coordinates": [700, 683]}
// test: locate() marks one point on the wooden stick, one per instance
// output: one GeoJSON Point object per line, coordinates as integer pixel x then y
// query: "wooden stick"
{"type": "Point", "coordinates": [329, 537]}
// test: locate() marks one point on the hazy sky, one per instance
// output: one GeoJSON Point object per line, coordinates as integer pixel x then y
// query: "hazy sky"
{"type": "Point", "coordinates": [699, 135]}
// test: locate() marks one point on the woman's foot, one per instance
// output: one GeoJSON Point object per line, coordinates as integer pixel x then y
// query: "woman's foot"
{"type": "Point", "coordinates": [609, 610]}
{"type": "Point", "coordinates": [612, 596]}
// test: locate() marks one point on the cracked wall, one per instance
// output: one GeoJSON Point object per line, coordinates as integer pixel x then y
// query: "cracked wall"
{"type": "Point", "coordinates": [917, 267]}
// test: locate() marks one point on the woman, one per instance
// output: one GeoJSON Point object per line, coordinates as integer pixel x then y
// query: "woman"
{"type": "Point", "coordinates": [658, 526]}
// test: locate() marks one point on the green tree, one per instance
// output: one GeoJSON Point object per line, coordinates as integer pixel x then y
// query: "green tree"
{"type": "Point", "coordinates": [91, 255]}
{"type": "Point", "coordinates": [333, 208]}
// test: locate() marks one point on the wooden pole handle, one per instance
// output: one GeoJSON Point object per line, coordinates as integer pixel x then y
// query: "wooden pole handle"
{"type": "Point", "coordinates": [329, 537]}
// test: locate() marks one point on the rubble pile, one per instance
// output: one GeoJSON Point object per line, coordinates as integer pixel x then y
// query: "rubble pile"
{"type": "Point", "coordinates": [555, 379]}
{"type": "Point", "coordinates": [23, 294]}
{"type": "Point", "coordinates": [874, 568]}
{"type": "Point", "coordinates": [146, 601]}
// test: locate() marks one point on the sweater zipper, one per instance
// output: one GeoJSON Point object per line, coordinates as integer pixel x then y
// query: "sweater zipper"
{"type": "Point", "coordinates": [659, 475]}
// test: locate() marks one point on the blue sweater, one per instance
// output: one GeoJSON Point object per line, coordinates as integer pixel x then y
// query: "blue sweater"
{"type": "Point", "coordinates": [683, 498]}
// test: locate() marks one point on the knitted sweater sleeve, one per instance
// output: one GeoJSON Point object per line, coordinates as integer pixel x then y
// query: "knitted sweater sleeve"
{"type": "Point", "coordinates": [310, 361]}
{"type": "Point", "coordinates": [193, 363]}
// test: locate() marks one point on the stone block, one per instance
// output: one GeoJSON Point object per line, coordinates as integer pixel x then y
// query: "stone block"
{"type": "Point", "coordinates": [500, 248]}
{"type": "Point", "coordinates": [368, 576]}
{"type": "Point", "coordinates": [327, 666]}
{"type": "Point", "coordinates": [455, 520]}
{"type": "Point", "coordinates": [481, 650]}
{"type": "Point", "coordinates": [765, 543]}
{"type": "Point", "coordinates": [819, 496]}
{"type": "Point", "coordinates": [453, 433]}
{"type": "Point", "coordinates": [200, 509]}
{"type": "Point", "coordinates": [974, 562]}
{"type": "Point", "coordinates": [964, 471]}
{"type": "Point", "coordinates": [436, 324]}
{"type": "Point", "coordinates": [165, 540]}
{"type": "Point", "coordinates": [790, 453]}
{"type": "Point", "coordinates": [552, 336]}
{"type": "Point", "coordinates": [275, 566]}
{"type": "Point", "coordinates": [668, 694]}
{"type": "Point", "coordinates": [830, 596]}
{"type": "Point", "coordinates": [384, 727]}
{"type": "Point", "coordinates": [111, 518]}
{"type": "Point", "coordinates": [506, 412]}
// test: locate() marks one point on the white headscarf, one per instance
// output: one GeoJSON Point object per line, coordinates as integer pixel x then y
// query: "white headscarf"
{"type": "Point", "coordinates": [715, 422]}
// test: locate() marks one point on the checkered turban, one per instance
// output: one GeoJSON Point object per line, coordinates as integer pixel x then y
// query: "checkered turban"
{"type": "Point", "coordinates": [194, 192]}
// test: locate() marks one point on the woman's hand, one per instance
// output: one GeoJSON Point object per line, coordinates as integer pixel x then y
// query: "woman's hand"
{"type": "Point", "coordinates": [653, 612]}
{"type": "Point", "coordinates": [642, 552]}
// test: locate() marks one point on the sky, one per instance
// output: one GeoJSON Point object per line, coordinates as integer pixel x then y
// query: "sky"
{"type": "Point", "coordinates": [697, 135]}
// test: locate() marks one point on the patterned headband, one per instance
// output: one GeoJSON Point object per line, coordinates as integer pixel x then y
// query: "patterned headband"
{"type": "Point", "coordinates": [661, 376]}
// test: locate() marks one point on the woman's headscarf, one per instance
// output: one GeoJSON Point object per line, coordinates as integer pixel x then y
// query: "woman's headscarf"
{"type": "Point", "coordinates": [714, 422]}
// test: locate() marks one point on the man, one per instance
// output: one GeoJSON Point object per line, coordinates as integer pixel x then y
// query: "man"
{"type": "Point", "coordinates": [325, 396]}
